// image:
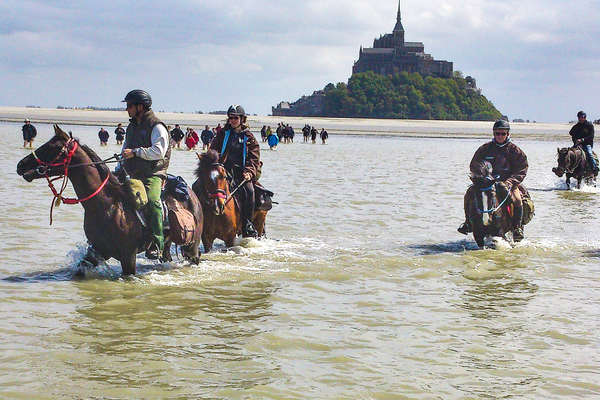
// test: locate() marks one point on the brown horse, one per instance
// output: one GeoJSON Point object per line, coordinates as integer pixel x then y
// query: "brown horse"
{"type": "Point", "coordinates": [488, 205]}
{"type": "Point", "coordinates": [573, 162]}
{"type": "Point", "coordinates": [110, 221]}
{"type": "Point", "coordinates": [222, 214]}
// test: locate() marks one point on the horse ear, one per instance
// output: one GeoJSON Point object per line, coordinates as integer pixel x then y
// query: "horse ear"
{"type": "Point", "coordinates": [59, 132]}
{"type": "Point", "coordinates": [557, 150]}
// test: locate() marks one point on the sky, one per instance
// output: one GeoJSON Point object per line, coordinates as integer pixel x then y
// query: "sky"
{"type": "Point", "coordinates": [534, 59]}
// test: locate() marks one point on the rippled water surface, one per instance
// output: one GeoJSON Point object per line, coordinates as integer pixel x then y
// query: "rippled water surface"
{"type": "Point", "coordinates": [363, 289]}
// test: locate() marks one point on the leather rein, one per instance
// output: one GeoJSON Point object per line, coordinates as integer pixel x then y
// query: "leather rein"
{"type": "Point", "coordinates": [68, 150]}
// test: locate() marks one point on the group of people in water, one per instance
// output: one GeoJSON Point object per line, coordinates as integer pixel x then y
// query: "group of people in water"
{"type": "Point", "coordinates": [147, 143]}
{"type": "Point", "coordinates": [285, 134]}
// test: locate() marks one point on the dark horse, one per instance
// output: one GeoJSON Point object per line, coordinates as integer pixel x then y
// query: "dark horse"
{"type": "Point", "coordinates": [488, 205]}
{"type": "Point", "coordinates": [573, 162]}
{"type": "Point", "coordinates": [110, 221]}
{"type": "Point", "coordinates": [222, 215]}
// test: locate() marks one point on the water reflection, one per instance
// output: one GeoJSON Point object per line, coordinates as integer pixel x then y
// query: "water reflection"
{"type": "Point", "coordinates": [135, 334]}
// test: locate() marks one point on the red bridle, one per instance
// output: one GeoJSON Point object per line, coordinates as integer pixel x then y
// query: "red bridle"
{"type": "Point", "coordinates": [44, 166]}
{"type": "Point", "coordinates": [219, 194]}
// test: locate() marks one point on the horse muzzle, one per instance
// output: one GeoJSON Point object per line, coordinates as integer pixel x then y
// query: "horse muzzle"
{"type": "Point", "coordinates": [558, 171]}
{"type": "Point", "coordinates": [29, 174]}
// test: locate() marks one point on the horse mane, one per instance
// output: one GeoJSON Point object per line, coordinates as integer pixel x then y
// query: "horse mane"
{"type": "Point", "coordinates": [206, 161]}
{"type": "Point", "coordinates": [113, 185]}
{"type": "Point", "coordinates": [481, 169]}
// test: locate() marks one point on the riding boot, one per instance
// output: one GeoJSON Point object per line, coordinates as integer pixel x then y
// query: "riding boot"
{"type": "Point", "coordinates": [247, 200]}
{"type": "Point", "coordinates": [518, 234]}
{"type": "Point", "coordinates": [465, 227]}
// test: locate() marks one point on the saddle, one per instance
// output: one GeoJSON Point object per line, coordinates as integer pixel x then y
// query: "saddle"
{"type": "Point", "coordinates": [177, 221]}
{"type": "Point", "coordinates": [262, 197]}
{"type": "Point", "coordinates": [584, 155]}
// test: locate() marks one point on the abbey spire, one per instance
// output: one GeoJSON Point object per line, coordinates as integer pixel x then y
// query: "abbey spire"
{"type": "Point", "coordinates": [398, 27]}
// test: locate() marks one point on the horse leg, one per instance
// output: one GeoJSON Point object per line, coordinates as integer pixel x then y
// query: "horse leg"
{"type": "Point", "coordinates": [259, 222]}
{"type": "Point", "coordinates": [192, 252]}
{"type": "Point", "coordinates": [91, 259]}
{"type": "Point", "coordinates": [207, 241]}
{"type": "Point", "coordinates": [568, 181]}
{"type": "Point", "coordinates": [478, 235]}
{"type": "Point", "coordinates": [166, 254]}
{"type": "Point", "coordinates": [128, 263]}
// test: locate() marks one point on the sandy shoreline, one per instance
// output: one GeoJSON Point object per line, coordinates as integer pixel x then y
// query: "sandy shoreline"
{"type": "Point", "coordinates": [345, 126]}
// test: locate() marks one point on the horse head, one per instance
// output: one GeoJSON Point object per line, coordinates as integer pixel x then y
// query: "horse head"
{"type": "Point", "coordinates": [481, 174]}
{"type": "Point", "coordinates": [489, 194]}
{"type": "Point", "coordinates": [50, 159]}
{"type": "Point", "coordinates": [212, 179]}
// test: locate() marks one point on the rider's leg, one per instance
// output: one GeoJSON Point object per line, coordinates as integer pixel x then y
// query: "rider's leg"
{"type": "Point", "coordinates": [517, 200]}
{"type": "Point", "coordinates": [247, 203]}
{"type": "Point", "coordinates": [466, 227]}
{"type": "Point", "coordinates": [590, 157]}
{"type": "Point", "coordinates": [155, 215]}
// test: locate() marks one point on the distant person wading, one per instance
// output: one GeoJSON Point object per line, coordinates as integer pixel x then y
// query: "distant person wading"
{"type": "Point", "coordinates": [29, 133]}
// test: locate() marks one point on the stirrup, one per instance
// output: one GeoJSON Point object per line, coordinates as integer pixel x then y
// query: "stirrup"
{"type": "Point", "coordinates": [464, 228]}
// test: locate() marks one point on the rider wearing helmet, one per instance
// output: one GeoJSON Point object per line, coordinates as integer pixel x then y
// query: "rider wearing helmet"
{"type": "Point", "coordinates": [509, 163]}
{"type": "Point", "coordinates": [147, 152]}
{"type": "Point", "coordinates": [240, 154]}
{"type": "Point", "coordinates": [582, 134]}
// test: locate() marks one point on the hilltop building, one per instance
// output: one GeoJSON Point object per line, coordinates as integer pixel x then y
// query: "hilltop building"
{"type": "Point", "coordinates": [390, 55]}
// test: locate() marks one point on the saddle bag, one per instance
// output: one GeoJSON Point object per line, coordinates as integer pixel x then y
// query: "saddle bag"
{"type": "Point", "coordinates": [138, 193]}
{"type": "Point", "coordinates": [181, 223]}
{"type": "Point", "coordinates": [262, 198]}
{"type": "Point", "coordinates": [528, 210]}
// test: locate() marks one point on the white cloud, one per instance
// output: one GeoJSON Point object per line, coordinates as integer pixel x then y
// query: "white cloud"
{"type": "Point", "coordinates": [200, 54]}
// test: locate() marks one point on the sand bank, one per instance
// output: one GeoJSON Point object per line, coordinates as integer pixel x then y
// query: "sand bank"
{"type": "Point", "coordinates": [346, 126]}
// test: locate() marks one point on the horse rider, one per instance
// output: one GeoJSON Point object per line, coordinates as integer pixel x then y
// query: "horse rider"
{"type": "Point", "coordinates": [582, 134]}
{"type": "Point", "coordinates": [239, 152]}
{"type": "Point", "coordinates": [29, 133]}
{"type": "Point", "coordinates": [508, 162]}
{"type": "Point", "coordinates": [147, 152]}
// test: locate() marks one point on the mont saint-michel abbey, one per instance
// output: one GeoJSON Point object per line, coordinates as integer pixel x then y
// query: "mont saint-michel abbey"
{"type": "Point", "coordinates": [390, 54]}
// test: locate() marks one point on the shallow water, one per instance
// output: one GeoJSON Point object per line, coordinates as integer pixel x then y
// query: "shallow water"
{"type": "Point", "coordinates": [364, 288]}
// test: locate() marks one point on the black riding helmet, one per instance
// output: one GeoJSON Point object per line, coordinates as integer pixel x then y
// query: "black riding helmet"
{"type": "Point", "coordinates": [501, 124]}
{"type": "Point", "coordinates": [581, 114]}
{"type": "Point", "coordinates": [236, 110]}
{"type": "Point", "coordinates": [138, 96]}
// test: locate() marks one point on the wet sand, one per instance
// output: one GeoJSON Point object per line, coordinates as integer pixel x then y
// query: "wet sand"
{"type": "Point", "coordinates": [346, 126]}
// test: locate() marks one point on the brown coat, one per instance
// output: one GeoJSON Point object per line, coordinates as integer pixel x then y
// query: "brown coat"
{"type": "Point", "coordinates": [252, 149]}
{"type": "Point", "coordinates": [508, 161]}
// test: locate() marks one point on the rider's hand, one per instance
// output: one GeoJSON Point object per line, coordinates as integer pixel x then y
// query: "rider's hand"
{"type": "Point", "coordinates": [579, 141]}
{"type": "Point", "coordinates": [128, 153]}
{"type": "Point", "coordinates": [247, 176]}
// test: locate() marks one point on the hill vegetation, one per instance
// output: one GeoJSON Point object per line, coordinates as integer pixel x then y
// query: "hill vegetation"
{"type": "Point", "coordinates": [407, 95]}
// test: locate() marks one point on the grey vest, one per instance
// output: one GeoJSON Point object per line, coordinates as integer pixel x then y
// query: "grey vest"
{"type": "Point", "coordinates": [140, 135]}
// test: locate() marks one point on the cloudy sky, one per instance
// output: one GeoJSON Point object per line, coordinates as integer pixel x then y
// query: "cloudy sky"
{"type": "Point", "coordinates": [534, 59]}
